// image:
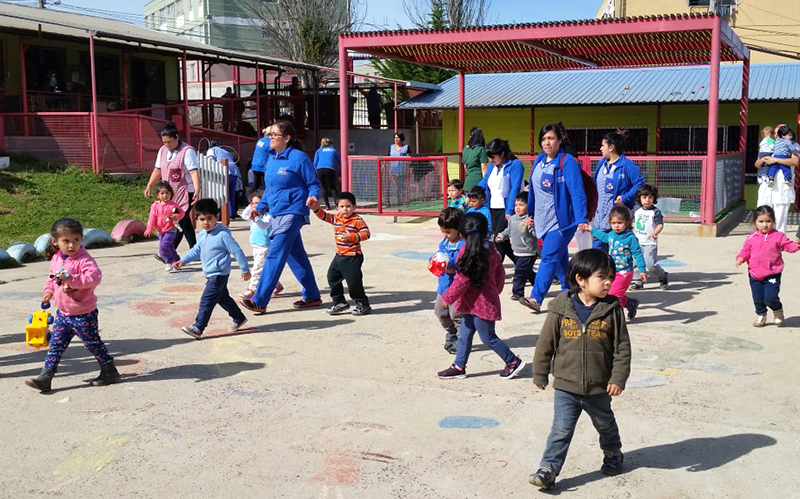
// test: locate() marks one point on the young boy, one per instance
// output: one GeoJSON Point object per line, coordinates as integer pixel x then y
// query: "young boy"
{"type": "Point", "coordinates": [214, 247]}
{"type": "Point", "coordinates": [477, 196]}
{"type": "Point", "coordinates": [449, 222]}
{"type": "Point", "coordinates": [587, 340]}
{"type": "Point", "coordinates": [455, 195]}
{"type": "Point", "coordinates": [648, 222]}
{"type": "Point", "coordinates": [349, 231]}
{"type": "Point", "coordinates": [523, 244]}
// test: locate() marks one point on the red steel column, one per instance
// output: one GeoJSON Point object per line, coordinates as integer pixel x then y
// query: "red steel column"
{"type": "Point", "coordinates": [187, 124]}
{"type": "Point", "coordinates": [709, 173]}
{"type": "Point", "coordinates": [22, 48]}
{"type": "Point", "coordinates": [395, 108]}
{"type": "Point", "coordinates": [460, 111]}
{"type": "Point", "coordinates": [658, 127]}
{"type": "Point", "coordinates": [258, 101]}
{"type": "Point", "coordinates": [344, 115]}
{"type": "Point", "coordinates": [743, 111]}
{"type": "Point", "coordinates": [93, 116]}
{"type": "Point", "coordinates": [203, 89]}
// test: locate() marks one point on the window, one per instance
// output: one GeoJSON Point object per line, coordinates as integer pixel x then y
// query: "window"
{"type": "Point", "coordinates": [588, 140]}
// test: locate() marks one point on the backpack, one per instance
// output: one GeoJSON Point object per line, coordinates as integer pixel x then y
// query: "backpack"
{"type": "Point", "coordinates": [589, 190]}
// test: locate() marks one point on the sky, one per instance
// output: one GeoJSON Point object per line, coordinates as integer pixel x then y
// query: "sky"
{"type": "Point", "coordinates": [384, 14]}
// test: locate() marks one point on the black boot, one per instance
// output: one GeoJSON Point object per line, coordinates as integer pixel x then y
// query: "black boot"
{"type": "Point", "coordinates": [451, 342]}
{"type": "Point", "coordinates": [108, 375]}
{"type": "Point", "coordinates": [41, 382]}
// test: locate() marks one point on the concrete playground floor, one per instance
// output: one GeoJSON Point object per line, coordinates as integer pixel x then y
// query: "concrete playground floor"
{"type": "Point", "coordinates": [304, 405]}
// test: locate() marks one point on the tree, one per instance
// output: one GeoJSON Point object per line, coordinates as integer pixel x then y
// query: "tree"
{"type": "Point", "coordinates": [305, 30]}
{"type": "Point", "coordinates": [456, 13]}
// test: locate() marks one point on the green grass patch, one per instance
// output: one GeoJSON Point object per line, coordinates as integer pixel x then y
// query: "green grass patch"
{"type": "Point", "coordinates": [34, 194]}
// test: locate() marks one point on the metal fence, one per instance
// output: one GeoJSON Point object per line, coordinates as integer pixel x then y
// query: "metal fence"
{"type": "Point", "coordinates": [729, 187]}
{"type": "Point", "coordinates": [214, 181]}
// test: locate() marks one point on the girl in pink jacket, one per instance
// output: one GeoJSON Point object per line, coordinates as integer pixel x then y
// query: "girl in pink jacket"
{"type": "Point", "coordinates": [73, 276]}
{"type": "Point", "coordinates": [762, 252]}
{"type": "Point", "coordinates": [475, 293]}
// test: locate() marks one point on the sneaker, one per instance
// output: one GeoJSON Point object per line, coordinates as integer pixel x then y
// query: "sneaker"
{"type": "Point", "coordinates": [632, 307]}
{"type": "Point", "coordinates": [761, 321]}
{"type": "Point", "coordinates": [192, 331]}
{"type": "Point", "coordinates": [338, 309]}
{"type": "Point", "coordinates": [306, 303]}
{"type": "Point", "coordinates": [168, 269]}
{"type": "Point", "coordinates": [452, 372]}
{"type": "Point", "coordinates": [664, 282]}
{"type": "Point", "coordinates": [512, 368]}
{"type": "Point", "coordinates": [362, 309]}
{"type": "Point", "coordinates": [515, 297]}
{"type": "Point", "coordinates": [637, 285]}
{"type": "Point", "coordinates": [159, 258]}
{"type": "Point", "coordinates": [247, 294]}
{"type": "Point", "coordinates": [278, 289]}
{"type": "Point", "coordinates": [251, 306]}
{"type": "Point", "coordinates": [544, 478]}
{"type": "Point", "coordinates": [235, 326]}
{"type": "Point", "coordinates": [531, 304]}
{"type": "Point", "coordinates": [612, 464]}
{"type": "Point", "coordinates": [778, 317]}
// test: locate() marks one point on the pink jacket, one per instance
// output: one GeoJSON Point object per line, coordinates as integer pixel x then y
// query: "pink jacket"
{"type": "Point", "coordinates": [483, 302]}
{"type": "Point", "coordinates": [762, 252]}
{"type": "Point", "coordinates": [159, 212]}
{"type": "Point", "coordinates": [85, 275]}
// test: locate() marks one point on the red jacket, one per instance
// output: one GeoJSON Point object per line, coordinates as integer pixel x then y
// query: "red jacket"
{"type": "Point", "coordinates": [483, 302]}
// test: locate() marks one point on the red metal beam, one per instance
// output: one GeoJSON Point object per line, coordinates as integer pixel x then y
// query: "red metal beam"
{"type": "Point", "coordinates": [743, 111]}
{"type": "Point", "coordinates": [403, 58]}
{"type": "Point", "coordinates": [710, 169]}
{"type": "Point", "coordinates": [461, 98]}
{"type": "Point", "coordinates": [93, 119]}
{"type": "Point", "coordinates": [344, 117]}
{"type": "Point", "coordinates": [557, 52]}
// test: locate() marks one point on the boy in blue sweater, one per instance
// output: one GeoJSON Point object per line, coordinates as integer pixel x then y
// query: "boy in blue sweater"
{"type": "Point", "coordinates": [451, 244]}
{"type": "Point", "coordinates": [214, 247]}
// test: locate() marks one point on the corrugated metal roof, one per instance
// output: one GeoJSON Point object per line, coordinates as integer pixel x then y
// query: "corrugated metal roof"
{"type": "Point", "coordinates": [768, 82]}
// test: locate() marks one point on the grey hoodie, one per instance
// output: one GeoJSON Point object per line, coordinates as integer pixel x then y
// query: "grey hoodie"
{"type": "Point", "coordinates": [587, 357]}
{"type": "Point", "coordinates": [523, 237]}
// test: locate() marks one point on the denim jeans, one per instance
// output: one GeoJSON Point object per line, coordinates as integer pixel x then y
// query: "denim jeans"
{"type": "Point", "coordinates": [567, 408]}
{"type": "Point", "coordinates": [765, 293]}
{"type": "Point", "coordinates": [216, 293]}
{"type": "Point", "coordinates": [472, 323]}
{"type": "Point", "coordinates": [523, 273]}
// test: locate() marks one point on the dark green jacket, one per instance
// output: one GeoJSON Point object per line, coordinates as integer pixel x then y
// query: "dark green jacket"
{"type": "Point", "coordinates": [586, 358]}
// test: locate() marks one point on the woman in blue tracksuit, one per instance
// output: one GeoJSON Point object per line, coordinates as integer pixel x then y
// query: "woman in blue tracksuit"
{"type": "Point", "coordinates": [557, 204]}
{"type": "Point", "coordinates": [259, 161]}
{"type": "Point", "coordinates": [326, 162]}
{"type": "Point", "coordinates": [291, 189]}
{"type": "Point", "coordinates": [502, 182]}
{"type": "Point", "coordinates": [617, 179]}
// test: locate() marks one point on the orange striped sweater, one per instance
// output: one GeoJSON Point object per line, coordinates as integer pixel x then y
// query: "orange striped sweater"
{"type": "Point", "coordinates": [348, 233]}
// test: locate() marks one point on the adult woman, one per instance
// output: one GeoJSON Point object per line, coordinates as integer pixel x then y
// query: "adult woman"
{"type": "Point", "coordinates": [557, 204]}
{"type": "Point", "coordinates": [326, 162]}
{"type": "Point", "coordinates": [780, 195]}
{"type": "Point", "coordinates": [398, 169]}
{"type": "Point", "coordinates": [474, 158]}
{"type": "Point", "coordinates": [292, 187]}
{"type": "Point", "coordinates": [177, 164]}
{"type": "Point", "coordinates": [502, 182]}
{"type": "Point", "coordinates": [617, 179]}
{"type": "Point", "coordinates": [259, 160]}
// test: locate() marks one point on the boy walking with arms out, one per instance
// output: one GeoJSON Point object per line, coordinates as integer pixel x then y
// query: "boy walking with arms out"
{"type": "Point", "coordinates": [349, 231]}
{"type": "Point", "coordinates": [648, 222]}
{"type": "Point", "coordinates": [214, 247]}
{"type": "Point", "coordinates": [586, 338]}
{"type": "Point", "coordinates": [523, 244]}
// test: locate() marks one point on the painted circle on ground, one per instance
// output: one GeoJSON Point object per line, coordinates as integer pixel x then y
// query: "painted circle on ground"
{"type": "Point", "coordinates": [467, 422]}
{"type": "Point", "coordinates": [413, 255]}
{"type": "Point", "coordinates": [669, 262]}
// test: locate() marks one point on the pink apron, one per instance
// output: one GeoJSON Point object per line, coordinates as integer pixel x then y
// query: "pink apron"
{"type": "Point", "coordinates": [172, 172]}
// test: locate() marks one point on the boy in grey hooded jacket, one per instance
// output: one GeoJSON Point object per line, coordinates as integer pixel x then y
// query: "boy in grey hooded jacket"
{"type": "Point", "coordinates": [523, 243]}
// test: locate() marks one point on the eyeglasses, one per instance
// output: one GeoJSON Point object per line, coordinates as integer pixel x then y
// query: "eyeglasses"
{"type": "Point", "coordinates": [272, 135]}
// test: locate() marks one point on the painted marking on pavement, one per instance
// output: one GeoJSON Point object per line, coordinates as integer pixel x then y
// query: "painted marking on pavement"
{"type": "Point", "coordinates": [467, 422]}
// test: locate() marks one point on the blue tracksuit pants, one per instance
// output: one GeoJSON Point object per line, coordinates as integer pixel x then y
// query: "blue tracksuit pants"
{"type": "Point", "coordinates": [554, 262]}
{"type": "Point", "coordinates": [286, 247]}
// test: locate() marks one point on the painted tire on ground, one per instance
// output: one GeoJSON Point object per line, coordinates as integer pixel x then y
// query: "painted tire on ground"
{"type": "Point", "coordinates": [22, 252]}
{"type": "Point", "coordinates": [6, 259]}
{"type": "Point", "coordinates": [126, 229]}
{"type": "Point", "coordinates": [42, 242]}
{"type": "Point", "coordinates": [96, 237]}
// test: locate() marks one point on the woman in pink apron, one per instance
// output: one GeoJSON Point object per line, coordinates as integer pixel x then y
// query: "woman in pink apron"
{"type": "Point", "coordinates": [178, 165]}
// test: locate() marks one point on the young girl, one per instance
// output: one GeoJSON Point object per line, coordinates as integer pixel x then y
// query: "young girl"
{"type": "Point", "coordinates": [73, 276]}
{"type": "Point", "coordinates": [164, 216]}
{"type": "Point", "coordinates": [762, 253]}
{"type": "Point", "coordinates": [475, 293]}
{"type": "Point", "coordinates": [260, 228]}
{"type": "Point", "coordinates": [624, 249]}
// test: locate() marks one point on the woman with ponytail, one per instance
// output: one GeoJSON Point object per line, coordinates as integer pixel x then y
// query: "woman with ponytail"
{"type": "Point", "coordinates": [474, 158]}
{"type": "Point", "coordinates": [475, 293]}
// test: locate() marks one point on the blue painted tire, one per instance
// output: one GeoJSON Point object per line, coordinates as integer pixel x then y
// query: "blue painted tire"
{"type": "Point", "coordinates": [22, 252]}
{"type": "Point", "coordinates": [42, 242]}
{"type": "Point", "coordinates": [96, 237]}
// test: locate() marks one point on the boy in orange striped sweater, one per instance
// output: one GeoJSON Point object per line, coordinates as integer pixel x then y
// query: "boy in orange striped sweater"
{"type": "Point", "coordinates": [349, 231]}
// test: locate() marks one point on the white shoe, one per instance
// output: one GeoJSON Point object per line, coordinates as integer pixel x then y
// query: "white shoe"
{"type": "Point", "coordinates": [168, 268]}
{"type": "Point", "coordinates": [235, 326]}
{"type": "Point", "coordinates": [247, 294]}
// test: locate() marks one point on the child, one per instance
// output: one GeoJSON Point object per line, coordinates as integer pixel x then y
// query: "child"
{"type": "Point", "coordinates": [349, 231]}
{"type": "Point", "coordinates": [214, 247]}
{"type": "Point", "coordinates": [625, 250]}
{"type": "Point", "coordinates": [586, 339]}
{"type": "Point", "coordinates": [782, 150]}
{"type": "Point", "coordinates": [477, 196]}
{"type": "Point", "coordinates": [767, 145]}
{"type": "Point", "coordinates": [449, 223]}
{"type": "Point", "coordinates": [475, 294]}
{"type": "Point", "coordinates": [260, 228]}
{"type": "Point", "coordinates": [523, 243]}
{"type": "Point", "coordinates": [762, 253]}
{"type": "Point", "coordinates": [164, 216]}
{"type": "Point", "coordinates": [455, 195]}
{"type": "Point", "coordinates": [648, 222]}
{"type": "Point", "coordinates": [73, 276]}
